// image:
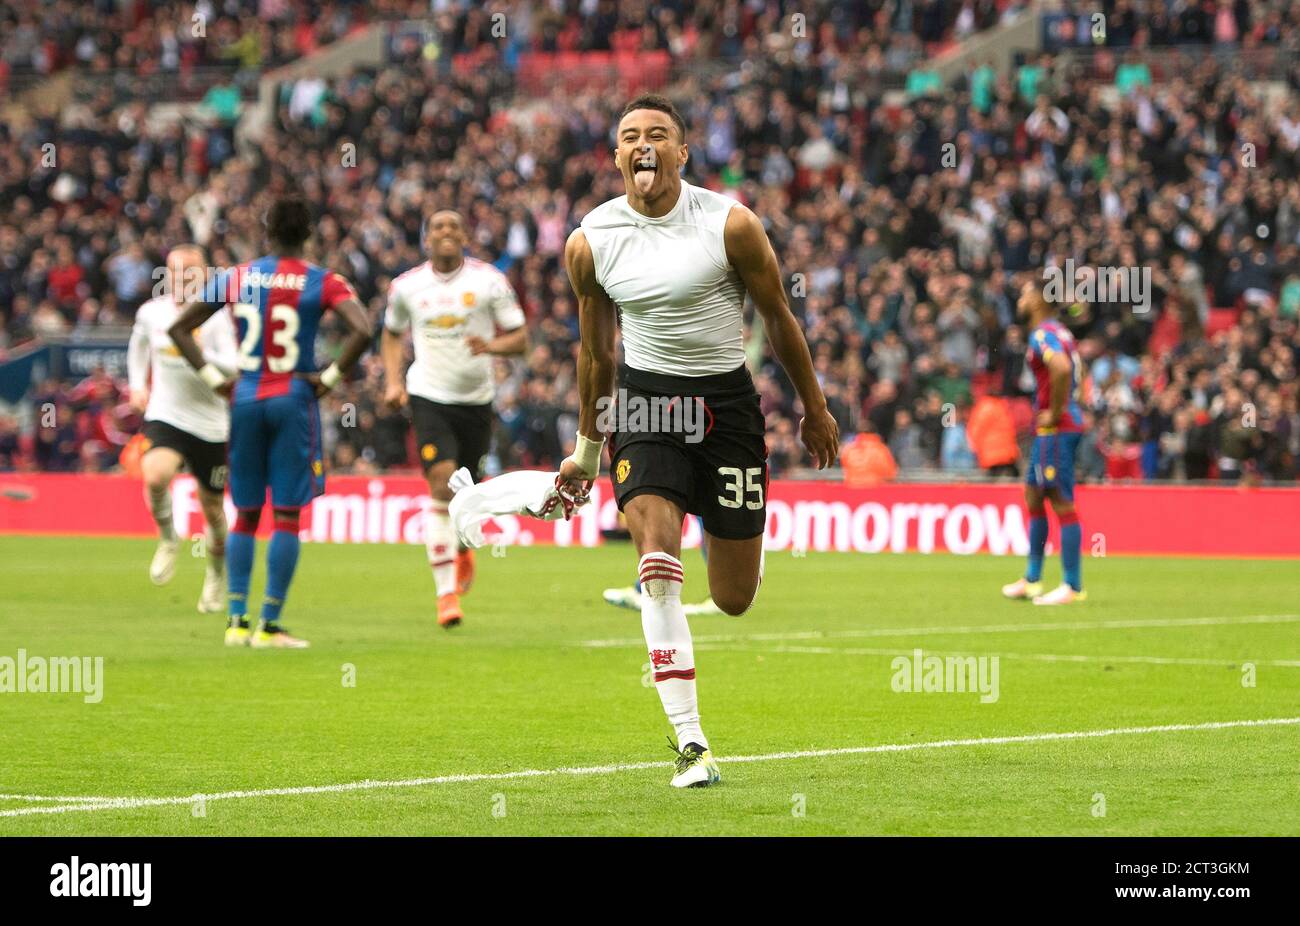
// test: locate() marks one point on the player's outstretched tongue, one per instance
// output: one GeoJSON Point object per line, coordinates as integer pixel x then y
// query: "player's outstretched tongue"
{"type": "Point", "coordinates": [644, 170]}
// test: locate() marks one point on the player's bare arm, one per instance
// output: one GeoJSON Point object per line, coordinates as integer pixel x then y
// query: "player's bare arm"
{"type": "Point", "coordinates": [751, 254]}
{"type": "Point", "coordinates": [597, 321]}
{"type": "Point", "coordinates": [391, 352]}
{"type": "Point", "coordinates": [354, 346]}
{"type": "Point", "coordinates": [1058, 366]}
{"type": "Point", "coordinates": [508, 344]}
{"type": "Point", "coordinates": [137, 354]}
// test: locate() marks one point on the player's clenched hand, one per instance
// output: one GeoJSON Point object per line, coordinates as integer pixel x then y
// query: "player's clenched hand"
{"type": "Point", "coordinates": [226, 389]}
{"type": "Point", "coordinates": [573, 482]}
{"type": "Point", "coordinates": [394, 395]}
{"type": "Point", "coordinates": [821, 435]}
{"type": "Point", "coordinates": [476, 345]}
{"type": "Point", "coordinates": [139, 399]}
{"type": "Point", "coordinates": [317, 386]}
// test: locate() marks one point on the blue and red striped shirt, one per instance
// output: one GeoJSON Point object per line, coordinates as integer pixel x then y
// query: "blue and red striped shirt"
{"type": "Point", "coordinates": [1051, 337]}
{"type": "Point", "coordinates": [278, 303]}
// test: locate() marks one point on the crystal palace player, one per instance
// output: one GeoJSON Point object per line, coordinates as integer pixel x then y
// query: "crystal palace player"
{"type": "Point", "coordinates": [278, 302]}
{"type": "Point", "coordinates": [184, 423]}
{"type": "Point", "coordinates": [454, 306]}
{"type": "Point", "coordinates": [1058, 429]}
{"type": "Point", "coordinates": [677, 261]}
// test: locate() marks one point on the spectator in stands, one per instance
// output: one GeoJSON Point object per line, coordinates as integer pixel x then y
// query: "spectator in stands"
{"type": "Point", "coordinates": [906, 444]}
{"type": "Point", "coordinates": [866, 460]}
{"type": "Point", "coordinates": [991, 433]}
{"type": "Point", "coordinates": [955, 453]}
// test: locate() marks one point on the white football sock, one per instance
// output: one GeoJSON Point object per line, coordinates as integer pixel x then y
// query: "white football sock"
{"type": "Point", "coordinates": [668, 636]}
{"type": "Point", "coordinates": [440, 542]}
{"type": "Point", "coordinates": [160, 506]}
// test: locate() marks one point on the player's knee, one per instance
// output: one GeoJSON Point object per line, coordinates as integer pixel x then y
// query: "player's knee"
{"type": "Point", "coordinates": [156, 478]}
{"type": "Point", "coordinates": [286, 519]}
{"type": "Point", "coordinates": [246, 520]}
{"type": "Point", "coordinates": [439, 486]}
{"type": "Point", "coordinates": [734, 602]}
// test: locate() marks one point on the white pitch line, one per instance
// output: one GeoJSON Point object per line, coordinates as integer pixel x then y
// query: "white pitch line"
{"type": "Point", "coordinates": [1043, 657]}
{"type": "Point", "coordinates": [129, 803]}
{"type": "Point", "coordinates": [70, 799]}
{"type": "Point", "coordinates": [959, 630]}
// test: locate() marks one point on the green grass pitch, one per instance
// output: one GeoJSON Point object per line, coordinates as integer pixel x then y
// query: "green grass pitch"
{"type": "Point", "coordinates": [520, 687]}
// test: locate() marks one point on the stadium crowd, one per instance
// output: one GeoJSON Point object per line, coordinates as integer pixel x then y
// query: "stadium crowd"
{"type": "Point", "coordinates": [905, 231]}
{"type": "Point", "coordinates": [144, 37]}
{"type": "Point", "coordinates": [1227, 24]}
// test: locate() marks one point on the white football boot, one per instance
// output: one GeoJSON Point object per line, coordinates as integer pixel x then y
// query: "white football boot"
{"type": "Point", "coordinates": [1022, 588]}
{"type": "Point", "coordinates": [1062, 594]}
{"type": "Point", "coordinates": [163, 566]}
{"type": "Point", "coordinates": [628, 598]}
{"type": "Point", "coordinates": [213, 598]}
{"type": "Point", "coordinates": [694, 767]}
{"type": "Point", "coordinates": [276, 638]}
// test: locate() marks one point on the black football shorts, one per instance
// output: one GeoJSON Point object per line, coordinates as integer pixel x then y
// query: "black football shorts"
{"type": "Point", "coordinates": [206, 460]}
{"type": "Point", "coordinates": [695, 440]}
{"type": "Point", "coordinates": [452, 432]}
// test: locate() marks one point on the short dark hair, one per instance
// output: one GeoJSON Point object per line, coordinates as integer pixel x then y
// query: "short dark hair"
{"type": "Point", "coordinates": [429, 218]}
{"type": "Point", "coordinates": [661, 103]}
{"type": "Point", "coordinates": [288, 223]}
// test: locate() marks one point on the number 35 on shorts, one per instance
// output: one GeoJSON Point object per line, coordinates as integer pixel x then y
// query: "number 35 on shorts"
{"type": "Point", "coordinates": [740, 484]}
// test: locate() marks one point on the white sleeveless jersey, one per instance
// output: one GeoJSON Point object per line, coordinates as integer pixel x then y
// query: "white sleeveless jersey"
{"type": "Point", "coordinates": [441, 311]}
{"type": "Point", "coordinates": [680, 298]}
{"type": "Point", "coordinates": [176, 394]}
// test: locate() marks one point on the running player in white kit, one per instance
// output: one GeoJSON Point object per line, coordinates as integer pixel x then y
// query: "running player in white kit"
{"type": "Point", "coordinates": [185, 422]}
{"type": "Point", "coordinates": [454, 306]}
{"type": "Point", "coordinates": [677, 261]}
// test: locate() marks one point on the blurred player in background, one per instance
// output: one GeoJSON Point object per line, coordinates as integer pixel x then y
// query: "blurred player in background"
{"type": "Point", "coordinates": [454, 306]}
{"type": "Point", "coordinates": [1058, 428]}
{"type": "Point", "coordinates": [278, 301]}
{"type": "Point", "coordinates": [185, 422]}
{"type": "Point", "coordinates": [676, 261]}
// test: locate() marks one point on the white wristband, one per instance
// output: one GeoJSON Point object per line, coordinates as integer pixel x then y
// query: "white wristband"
{"type": "Point", "coordinates": [212, 376]}
{"type": "Point", "coordinates": [586, 453]}
{"type": "Point", "coordinates": [330, 376]}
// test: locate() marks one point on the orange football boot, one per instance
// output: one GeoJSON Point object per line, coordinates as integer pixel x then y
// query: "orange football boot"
{"type": "Point", "coordinates": [464, 571]}
{"type": "Point", "coordinates": [449, 614]}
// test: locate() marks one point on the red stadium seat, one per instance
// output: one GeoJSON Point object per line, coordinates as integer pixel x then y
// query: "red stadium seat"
{"type": "Point", "coordinates": [1221, 320]}
{"type": "Point", "coordinates": [1165, 334]}
{"type": "Point", "coordinates": [982, 382]}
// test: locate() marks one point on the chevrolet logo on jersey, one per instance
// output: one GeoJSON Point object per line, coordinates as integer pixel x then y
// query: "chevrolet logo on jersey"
{"type": "Point", "coordinates": [444, 321]}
